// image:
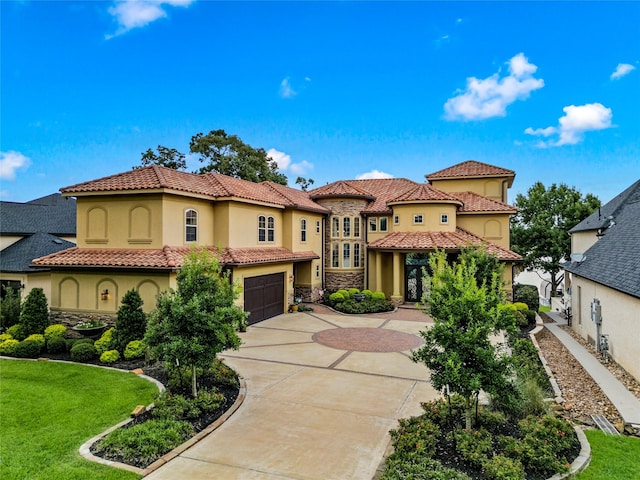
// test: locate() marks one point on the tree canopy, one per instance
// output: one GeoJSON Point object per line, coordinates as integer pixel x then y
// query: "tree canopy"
{"type": "Point", "coordinates": [540, 229]}
{"type": "Point", "coordinates": [192, 324]}
{"type": "Point", "coordinates": [220, 152]}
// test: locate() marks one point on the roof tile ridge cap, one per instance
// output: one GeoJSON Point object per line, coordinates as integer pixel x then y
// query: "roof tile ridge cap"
{"type": "Point", "coordinates": [359, 189]}
{"type": "Point", "coordinates": [160, 176]}
{"type": "Point", "coordinates": [273, 188]}
{"type": "Point", "coordinates": [213, 178]}
{"type": "Point", "coordinates": [500, 202]}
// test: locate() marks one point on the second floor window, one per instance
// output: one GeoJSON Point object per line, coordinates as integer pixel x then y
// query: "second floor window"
{"type": "Point", "coordinates": [335, 226]}
{"type": "Point", "coordinates": [266, 229]}
{"type": "Point", "coordinates": [317, 226]}
{"type": "Point", "coordinates": [346, 227]}
{"type": "Point", "coordinates": [444, 218]}
{"type": "Point", "coordinates": [383, 224]}
{"type": "Point", "coordinates": [191, 226]}
{"type": "Point", "coordinates": [373, 224]}
{"type": "Point", "coordinates": [303, 230]}
{"type": "Point", "coordinates": [417, 219]}
{"type": "Point", "coordinates": [356, 227]}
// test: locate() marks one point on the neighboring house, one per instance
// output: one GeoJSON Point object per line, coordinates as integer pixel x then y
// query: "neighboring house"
{"type": "Point", "coordinates": [606, 266]}
{"type": "Point", "coordinates": [30, 230]}
{"type": "Point", "coordinates": [278, 242]}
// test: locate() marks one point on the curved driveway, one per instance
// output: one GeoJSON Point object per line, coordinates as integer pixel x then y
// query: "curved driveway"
{"type": "Point", "coordinates": [323, 390]}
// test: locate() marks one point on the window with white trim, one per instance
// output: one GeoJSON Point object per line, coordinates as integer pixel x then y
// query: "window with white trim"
{"type": "Point", "coordinates": [346, 227]}
{"type": "Point", "coordinates": [444, 218]}
{"type": "Point", "coordinates": [356, 255]}
{"type": "Point", "coordinates": [418, 219]}
{"type": "Point", "coordinates": [317, 226]}
{"type": "Point", "coordinates": [191, 225]}
{"type": "Point", "coordinates": [356, 227]}
{"type": "Point", "coordinates": [396, 219]}
{"type": "Point", "coordinates": [317, 271]}
{"type": "Point", "coordinates": [335, 255]}
{"type": "Point", "coordinates": [271, 229]}
{"type": "Point", "coordinates": [373, 224]}
{"type": "Point", "coordinates": [346, 255]}
{"type": "Point", "coordinates": [335, 227]}
{"type": "Point", "coordinates": [303, 230]}
{"type": "Point", "coordinates": [383, 224]}
{"type": "Point", "coordinates": [262, 228]}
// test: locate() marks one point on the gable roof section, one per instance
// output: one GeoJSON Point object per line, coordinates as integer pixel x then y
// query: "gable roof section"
{"type": "Point", "coordinates": [455, 240]}
{"type": "Point", "coordinates": [341, 188]}
{"type": "Point", "coordinates": [16, 258]}
{"type": "Point", "coordinates": [167, 258]}
{"type": "Point", "coordinates": [470, 169]}
{"type": "Point", "coordinates": [474, 203]}
{"type": "Point", "coordinates": [614, 260]}
{"type": "Point", "coordinates": [424, 192]}
{"type": "Point", "coordinates": [52, 214]}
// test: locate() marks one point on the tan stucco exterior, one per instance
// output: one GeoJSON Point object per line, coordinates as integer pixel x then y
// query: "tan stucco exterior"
{"type": "Point", "coordinates": [492, 187]}
{"type": "Point", "coordinates": [582, 241]}
{"type": "Point", "coordinates": [493, 227]}
{"type": "Point", "coordinates": [431, 214]}
{"type": "Point", "coordinates": [620, 320]}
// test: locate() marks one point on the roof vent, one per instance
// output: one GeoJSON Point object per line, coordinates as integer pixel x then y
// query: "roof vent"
{"type": "Point", "coordinates": [578, 257]}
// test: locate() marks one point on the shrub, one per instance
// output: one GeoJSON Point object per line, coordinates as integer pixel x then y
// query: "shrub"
{"type": "Point", "coordinates": [36, 337]}
{"type": "Point", "coordinates": [415, 435]}
{"type": "Point", "coordinates": [146, 441]}
{"type": "Point", "coordinates": [520, 307]}
{"type": "Point", "coordinates": [17, 332]}
{"type": "Point", "coordinates": [336, 297]}
{"type": "Point", "coordinates": [417, 467]}
{"type": "Point", "coordinates": [56, 345]}
{"type": "Point", "coordinates": [105, 342]}
{"type": "Point", "coordinates": [5, 336]}
{"type": "Point", "coordinates": [10, 307]}
{"type": "Point", "coordinates": [473, 445]}
{"type": "Point", "coordinates": [368, 293]}
{"type": "Point", "coordinates": [131, 322]}
{"type": "Point", "coordinates": [223, 375]}
{"type": "Point", "coordinates": [8, 347]}
{"type": "Point", "coordinates": [110, 356]}
{"type": "Point", "coordinates": [56, 330]}
{"type": "Point", "coordinates": [83, 352]}
{"type": "Point", "coordinates": [353, 291]}
{"type": "Point", "coordinates": [521, 320]}
{"type": "Point", "coordinates": [34, 315]}
{"type": "Point", "coordinates": [208, 401]}
{"type": "Point", "coordinates": [527, 294]}
{"type": "Point", "coordinates": [533, 396]}
{"type": "Point", "coordinates": [28, 349]}
{"type": "Point", "coordinates": [135, 349]}
{"type": "Point", "coordinates": [491, 420]}
{"type": "Point", "coordinates": [531, 316]}
{"type": "Point", "coordinates": [345, 293]}
{"type": "Point", "coordinates": [378, 296]}
{"type": "Point", "coordinates": [501, 467]}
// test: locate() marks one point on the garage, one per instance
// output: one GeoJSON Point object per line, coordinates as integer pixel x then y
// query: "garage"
{"type": "Point", "coordinates": [264, 296]}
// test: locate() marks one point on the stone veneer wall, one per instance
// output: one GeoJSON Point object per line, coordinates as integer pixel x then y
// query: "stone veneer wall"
{"type": "Point", "coordinates": [334, 278]}
{"type": "Point", "coordinates": [69, 320]}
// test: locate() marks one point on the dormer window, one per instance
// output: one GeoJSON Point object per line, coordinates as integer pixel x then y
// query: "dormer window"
{"type": "Point", "coordinates": [191, 226]}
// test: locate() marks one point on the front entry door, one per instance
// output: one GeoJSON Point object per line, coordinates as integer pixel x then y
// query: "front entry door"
{"type": "Point", "coordinates": [413, 283]}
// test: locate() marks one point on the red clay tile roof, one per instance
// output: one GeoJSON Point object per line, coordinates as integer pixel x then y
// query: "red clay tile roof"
{"type": "Point", "coordinates": [167, 258]}
{"type": "Point", "coordinates": [426, 193]}
{"type": "Point", "coordinates": [341, 188]}
{"type": "Point", "coordinates": [472, 202]}
{"type": "Point", "coordinates": [442, 240]}
{"type": "Point", "coordinates": [213, 185]}
{"type": "Point", "coordinates": [470, 168]}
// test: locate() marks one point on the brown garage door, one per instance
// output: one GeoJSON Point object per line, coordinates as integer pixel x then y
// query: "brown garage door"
{"type": "Point", "coordinates": [264, 296]}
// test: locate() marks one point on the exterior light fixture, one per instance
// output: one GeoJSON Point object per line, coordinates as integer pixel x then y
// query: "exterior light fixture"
{"type": "Point", "coordinates": [105, 294]}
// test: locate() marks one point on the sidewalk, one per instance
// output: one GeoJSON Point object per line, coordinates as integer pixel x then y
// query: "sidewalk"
{"type": "Point", "coordinates": [625, 402]}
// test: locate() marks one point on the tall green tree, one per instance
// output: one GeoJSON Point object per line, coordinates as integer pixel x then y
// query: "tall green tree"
{"type": "Point", "coordinates": [9, 307]}
{"type": "Point", "coordinates": [457, 348]}
{"type": "Point", "coordinates": [34, 315]}
{"type": "Point", "coordinates": [229, 155]}
{"type": "Point", "coordinates": [540, 229]}
{"type": "Point", "coordinates": [192, 324]}
{"type": "Point", "coordinates": [166, 157]}
{"type": "Point", "coordinates": [131, 322]}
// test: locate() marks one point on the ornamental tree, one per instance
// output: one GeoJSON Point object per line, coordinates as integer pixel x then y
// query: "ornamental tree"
{"type": "Point", "coordinates": [192, 324]}
{"type": "Point", "coordinates": [540, 229]}
{"type": "Point", "coordinates": [131, 322]}
{"type": "Point", "coordinates": [34, 314]}
{"type": "Point", "coordinates": [457, 349]}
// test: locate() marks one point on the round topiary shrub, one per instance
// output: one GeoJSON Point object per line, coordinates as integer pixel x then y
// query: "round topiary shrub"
{"type": "Point", "coordinates": [36, 337]}
{"type": "Point", "coordinates": [520, 306]}
{"type": "Point", "coordinates": [345, 293]}
{"type": "Point", "coordinates": [110, 356]}
{"type": "Point", "coordinates": [28, 349]}
{"type": "Point", "coordinates": [135, 349]}
{"type": "Point", "coordinates": [17, 332]}
{"type": "Point", "coordinates": [57, 330]}
{"type": "Point", "coordinates": [83, 352]}
{"type": "Point", "coordinates": [56, 345]}
{"type": "Point", "coordinates": [368, 293]}
{"type": "Point", "coordinates": [5, 336]}
{"type": "Point", "coordinates": [353, 291]}
{"type": "Point", "coordinates": [336, 297]}
{"type": "Point", "coordinates": [105, 342]}
{"type": "Point", "coordinates": [378, 296]}
{"type": "Point", "coordinates": [34, 314]}
{"type": "Point", "coordinates": [8, 347]}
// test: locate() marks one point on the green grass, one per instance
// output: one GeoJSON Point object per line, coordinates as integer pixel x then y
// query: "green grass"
{"type": "Point", "coordinates": [49, 409]}
{"type": "Point", "coordinates": [545, 308]}
{"type": "Point", "coordinates": [612, 457]}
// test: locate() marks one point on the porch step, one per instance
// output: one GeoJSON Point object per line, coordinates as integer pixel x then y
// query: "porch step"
{"type": "Point", "coordinates": [604, 424]}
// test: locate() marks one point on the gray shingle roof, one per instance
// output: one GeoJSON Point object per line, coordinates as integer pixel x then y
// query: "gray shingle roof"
{"type": "Point", "coordinates": [614, 260]}
{"type": "Point", "coordinates": [16, 258]}
{"type": "Point", "coordinates": [52, 214]}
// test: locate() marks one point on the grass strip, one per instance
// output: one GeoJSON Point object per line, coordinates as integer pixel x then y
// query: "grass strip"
{"type": "Point", "coordinates": [612, 457]}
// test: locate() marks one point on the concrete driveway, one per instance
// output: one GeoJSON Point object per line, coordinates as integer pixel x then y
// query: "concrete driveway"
{"type": "Point", "coordinates": [323, 390]}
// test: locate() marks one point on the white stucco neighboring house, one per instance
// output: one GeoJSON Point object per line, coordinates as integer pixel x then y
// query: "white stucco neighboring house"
{"type": "Point", "coordinates": [605, 266]}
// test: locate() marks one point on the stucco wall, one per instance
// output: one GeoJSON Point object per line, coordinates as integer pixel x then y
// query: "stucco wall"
{"type": "Point", "coordinates": [491, 227]}
{"type": "Point", "coordinates": [431, 218]}
{"type": "Point", "coordinates": [620, 320]}
{"type": "Point", "coordinates": [495, 188]}
{"type": "Point", "coordinates": [582, 241]}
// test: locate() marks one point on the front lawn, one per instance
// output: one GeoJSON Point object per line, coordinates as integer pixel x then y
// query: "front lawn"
{"type": "Point", "coordinates": [612, 457]}
{"type": "Point", "coordinates": [49, 409]}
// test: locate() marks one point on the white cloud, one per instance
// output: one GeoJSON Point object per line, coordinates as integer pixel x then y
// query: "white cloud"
{"type": "Point", "coordinates": [621, 70]}
{"type": "Point", "coordinates": [10, 162]}
{"type": "Point", "coordinates": [282, 159]}
{"type": "Point", "coordinates": [286, 90]}
{"type": "Point", "coordinates": [489, 97]}
{"type": "Point", "coordinates": [132, 14]}
{"type": "Point", "coordinates": [300, 168]}
{"type": "Point", "coordinates": [373, 174]}
{"type": "Point", "coordinates": [573, 125]}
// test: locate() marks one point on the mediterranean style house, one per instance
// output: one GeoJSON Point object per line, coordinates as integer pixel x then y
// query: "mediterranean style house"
{"type": "Point", "coordinates": [30, 230]}
{"type": "Point", "coordinates": [605, 270]}
{"type": "Point", "coordinates": [279, 243]}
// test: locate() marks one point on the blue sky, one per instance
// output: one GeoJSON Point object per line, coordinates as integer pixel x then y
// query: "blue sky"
{"type": "Point", "coordinates": [333, 90]}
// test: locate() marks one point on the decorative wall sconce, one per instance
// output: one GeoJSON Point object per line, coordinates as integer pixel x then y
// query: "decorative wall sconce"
{"type": "Point", "coordinates": [105, 294]}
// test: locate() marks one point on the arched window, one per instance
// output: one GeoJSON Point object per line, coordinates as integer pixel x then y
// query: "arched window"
{"type": "Point", "coordinates": [262, 228]}
{"type": "Point", "coordinates": [303, 230]}
{"type": "Point", "coordinates": [271, 229]}
{"type": "Point", "coordinates": [191, 225]}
